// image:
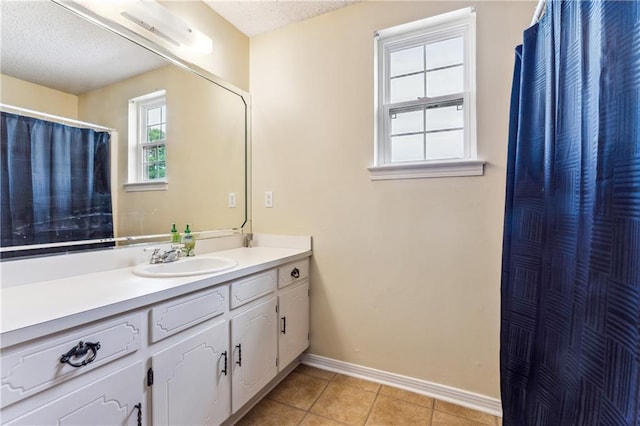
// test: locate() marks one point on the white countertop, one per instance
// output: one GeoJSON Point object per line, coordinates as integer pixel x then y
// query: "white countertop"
{"type": "Point", "coordinates": [32, 310]}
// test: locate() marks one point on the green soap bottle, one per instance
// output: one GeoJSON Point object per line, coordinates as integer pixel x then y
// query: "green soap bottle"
{"type": "Point", "coordinates": [175, 235]}
{"type": "Point", "coordinates": [189, 242]}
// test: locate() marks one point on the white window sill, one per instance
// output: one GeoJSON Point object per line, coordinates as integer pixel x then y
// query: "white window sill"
{"type": "Point", "coordinates": [428, 169]}
{"type": "Point", "coordinates": [155, 185]}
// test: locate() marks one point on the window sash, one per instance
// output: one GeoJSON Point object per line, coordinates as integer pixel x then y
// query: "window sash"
{"type": "Point", "coordinates": [392, 41]}
{"type": "Point", "coordinates": [423, 108]}
{"type": "Point", "coordinates": [385, 148]}
{"type": "Point", "coordinates": [143, 127]}
{"type": "Point", "coordinates": [421, 105]}
{"type": "Point", "coordinates": [146, 163]}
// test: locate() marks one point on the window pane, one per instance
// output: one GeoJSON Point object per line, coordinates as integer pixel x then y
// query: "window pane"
{"type": "Point", "coordinates": [445, 53]}
{"type": "Point", "coordinates": [448, 117]}
{"type": "Point", "coordinates": [406, 61]}
{"type": "Point", "coordinates": [151, 171]}
{"type": "Point", "coordinates": [443, 145]}
{"type": "Point", "coordinates": [155, 133]}
{"type": "Point", "coordinates": [161, 153]}
{"type": "Point", "coordinates": [445, 82]}
{"type": "Point", "coordinates": [150, 154]}
{"type": "Point", "coordinates": [162, 170]}
{"type": "Point", "coordinates": [407, 88]}
{"type": "Point", "coordinates": [407, 148]}
{"type": "Point", "coordinates": [154, 116]}
{"type": "Point", "coordinates": [407, 122]}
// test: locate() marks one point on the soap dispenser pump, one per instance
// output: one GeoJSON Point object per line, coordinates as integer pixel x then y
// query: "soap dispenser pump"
{"type": "Point", "coordinates": [175, 235]}
{"type": "Point", "coordinates": [189, 242]}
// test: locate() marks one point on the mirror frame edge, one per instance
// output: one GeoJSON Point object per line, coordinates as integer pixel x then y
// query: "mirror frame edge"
{"type": "Point", "coordinates": [150, 45]}
{"type": "Point", "coordinates": [153, 47]}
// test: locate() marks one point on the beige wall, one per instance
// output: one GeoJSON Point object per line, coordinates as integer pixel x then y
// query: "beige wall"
{"type": "Point", "coordinates": [32, 96]}
{"type": "Point", "coordinates": [205, 153]}
{"type": "Point", "coordinates": [405, 273]}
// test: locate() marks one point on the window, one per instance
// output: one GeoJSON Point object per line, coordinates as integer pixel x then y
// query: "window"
{"type": "Point", "coordinates": [147, 142]}
{"type": "Point", "coordinates": [425, 99]}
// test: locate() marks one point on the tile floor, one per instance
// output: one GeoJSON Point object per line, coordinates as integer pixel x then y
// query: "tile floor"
{"type": "Point", "coordinates": [310, 396]}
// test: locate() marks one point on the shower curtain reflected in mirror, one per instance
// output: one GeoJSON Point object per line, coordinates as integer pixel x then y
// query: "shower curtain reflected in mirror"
{"type": "Point", "coordinates": [570, 331]}
{"type": "Point", "coordinates": [55, 184]}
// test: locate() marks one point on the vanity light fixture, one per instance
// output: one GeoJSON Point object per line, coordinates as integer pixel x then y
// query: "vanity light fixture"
{"type": "Point", "coordinates": [157, 19]}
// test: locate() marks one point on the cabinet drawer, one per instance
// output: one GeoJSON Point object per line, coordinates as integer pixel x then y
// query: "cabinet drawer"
{"type": "Point", "coordinates": [32, 367]}
{"type": "Point", "coordinates": [108, 401]}
{"type": "Point", "coordinates": [178, 314]}
{"type": "Point", "coordinates": [248, 289]}
{"type": "Point", "coordinates": [293, 272]}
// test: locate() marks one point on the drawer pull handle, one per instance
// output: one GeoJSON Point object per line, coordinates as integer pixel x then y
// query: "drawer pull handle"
{"type": "Point", "coordinates": [138, 406]}
{"type": "Point", "coordinates": [283, 330]}
{"type": "Point", "coordinates": [224, 370]}
{"type": "Point", "coordinates": [239, 361]}
{"type": "Point", "coordinates": [81, 349]}
{"type": "Point", "coordinates": [295, 273]}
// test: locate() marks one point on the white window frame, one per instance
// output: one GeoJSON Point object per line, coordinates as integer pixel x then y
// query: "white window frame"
{"type": "Point", "coordinates": [459, 23]}
{"type": "Point", "coordinates": [138, 108]}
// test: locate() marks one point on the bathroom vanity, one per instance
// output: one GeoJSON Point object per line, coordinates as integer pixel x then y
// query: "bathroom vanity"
{"type": "Point", "coordinates": [111, 347]}
{"type": "Point", "coordinates": [83, 340]}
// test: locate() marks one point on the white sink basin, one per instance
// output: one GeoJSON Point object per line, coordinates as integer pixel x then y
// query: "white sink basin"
{"type": "Point", "coordinates": [185, 267]}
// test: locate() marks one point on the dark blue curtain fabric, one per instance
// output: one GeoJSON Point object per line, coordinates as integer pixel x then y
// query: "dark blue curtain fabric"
{"type": "Point", "coordinates": [570, 331]}
{"type": "Point", "coordinates": [54, 182]}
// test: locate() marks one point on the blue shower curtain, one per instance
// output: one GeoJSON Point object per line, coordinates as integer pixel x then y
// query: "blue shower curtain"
{"type": "Point", "coordinates": [570, 330]}
{"type": "Point", "coordinates": [54, 183]}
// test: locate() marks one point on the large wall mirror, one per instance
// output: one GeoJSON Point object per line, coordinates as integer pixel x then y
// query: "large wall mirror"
{"type": "Point", "coordinates": [188, 164]}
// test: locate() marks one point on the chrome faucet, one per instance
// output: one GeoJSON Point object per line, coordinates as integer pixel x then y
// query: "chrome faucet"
{"type": "Point", "coordinates": [161, 256]}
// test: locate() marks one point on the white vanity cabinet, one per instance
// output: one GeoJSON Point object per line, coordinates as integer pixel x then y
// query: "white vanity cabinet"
{"type": "Point", "coordinates": [268, 330]}
{"type": "Point", "coordinates": [200, 355]}
{"type": "Point", "coordinates": [175, 315]}
{"type": "Point", "coordinates": [293, 273]}
{"type": "Point", "coordinates": [254, 338]}
{"type": "Point", "coordinates": [255, 351]}
{"type": "Point", "coordinates": [293, 311]}
{"type": "Point", "coordinates": [191, 379]}
{"type": "Point", "coordinates": [113, 400]}
{"type": "Point", "coordinates": [98, 382]}
{"type": "Point", "coordinates": [293, 308]}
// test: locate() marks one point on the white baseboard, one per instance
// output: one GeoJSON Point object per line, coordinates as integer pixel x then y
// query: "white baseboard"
{"type": "Point", "coordinates": [435, 390]}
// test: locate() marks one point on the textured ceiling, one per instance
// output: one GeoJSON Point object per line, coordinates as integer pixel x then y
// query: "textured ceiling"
{"type": "Point", "coordinates": [45, 44]}
{"type": "Point", "coordinates": [256, 17]}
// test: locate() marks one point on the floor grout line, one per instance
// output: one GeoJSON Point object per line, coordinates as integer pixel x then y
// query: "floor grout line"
{"type": "Point", "coordinates": [326, 386]}
{"type": "Point", "coordinates": [378, 393]}
{"type": "Point", "coordinates": [308, 411]}
{"type": "Point", "coordinates": [433, 410]}
{"type": "Point", "coordinates": [366, 419]}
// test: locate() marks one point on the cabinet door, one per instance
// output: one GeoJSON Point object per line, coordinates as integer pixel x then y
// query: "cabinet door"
{"type": "Point", "coordinates": [254, 345]}
{"type": "Point", "coordinates": [191, 386]}
{"type": "Point", "coordinates": [108, 401]}
{"type": "Point", "coordinates": [294, 323]}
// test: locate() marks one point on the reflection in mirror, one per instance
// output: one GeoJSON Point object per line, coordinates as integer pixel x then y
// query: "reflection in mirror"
{"type": "Point", "coordinates": [175, 149]}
